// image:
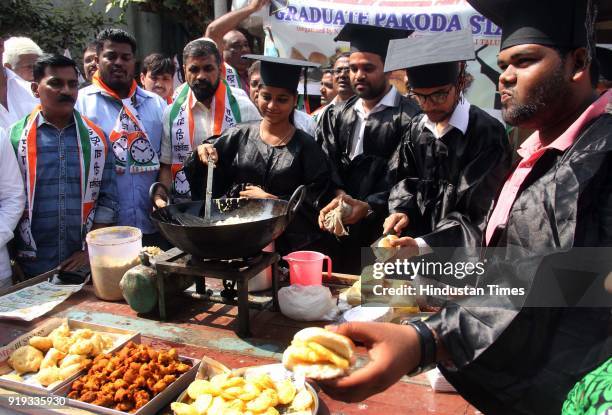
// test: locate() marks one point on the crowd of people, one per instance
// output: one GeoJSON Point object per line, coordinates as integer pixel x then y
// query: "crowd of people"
{"type": "Point", "coordinates": [427, 166]}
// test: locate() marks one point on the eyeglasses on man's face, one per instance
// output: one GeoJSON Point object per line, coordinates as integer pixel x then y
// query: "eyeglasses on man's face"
{"type": "Point", "coordinates": [437, 97]}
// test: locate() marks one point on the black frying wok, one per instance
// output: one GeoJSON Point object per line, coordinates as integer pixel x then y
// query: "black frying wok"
{"type": "Point", "coordinates": [268, 218]}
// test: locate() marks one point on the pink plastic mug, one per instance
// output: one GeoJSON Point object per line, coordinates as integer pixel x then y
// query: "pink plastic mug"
{"type": "Point", "coordinates": [306, 267]}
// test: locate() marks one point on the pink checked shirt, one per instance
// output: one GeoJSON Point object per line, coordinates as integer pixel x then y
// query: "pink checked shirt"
{"type": "Point", "coordinates": [530, 151]}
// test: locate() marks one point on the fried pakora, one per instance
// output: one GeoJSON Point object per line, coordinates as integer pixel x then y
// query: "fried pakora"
{"type": "Point", "coordinates": [126, 380]}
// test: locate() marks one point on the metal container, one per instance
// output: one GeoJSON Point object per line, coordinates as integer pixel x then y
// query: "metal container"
{"type": "Point", "coordinates": [210, 367]}
{"type": "Point", "coordinates": [153, 406]}
{"type": "Point", "coordinates": [122, 337]}
{"type": "Point", "coordinates": [261, 222]}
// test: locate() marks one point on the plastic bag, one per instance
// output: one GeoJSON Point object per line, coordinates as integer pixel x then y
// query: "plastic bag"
{"type": "Point", "coordinates": [307, 303]}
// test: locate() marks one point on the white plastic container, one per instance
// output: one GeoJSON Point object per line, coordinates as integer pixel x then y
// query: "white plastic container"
{"type": "Point", "coordinates": [263, 280]}
{"type": "Point", "coordinates": [112, 251]}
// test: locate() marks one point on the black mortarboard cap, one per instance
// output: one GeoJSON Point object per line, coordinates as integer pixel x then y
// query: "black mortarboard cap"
{"type": "Point", "coordinates": [434, 75]}
{"type": "Point", "coordinates": [604, 58]}
{"type": "Point", "coordinates": [372, 39]}
{"type": "Point", "coordinates": [556, 23]}
{"type": "Point", "coordinates": [431, 60]}
{"type": "Point", "coordinates": [281, 72]}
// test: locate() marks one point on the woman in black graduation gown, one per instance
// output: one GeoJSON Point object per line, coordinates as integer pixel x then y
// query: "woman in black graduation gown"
{"type": "Point", "coordinates": [270, 158]}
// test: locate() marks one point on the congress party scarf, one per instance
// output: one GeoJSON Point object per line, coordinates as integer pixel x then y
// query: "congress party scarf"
{"type": "Point", "coordinates": [231, 75]}
{"type": "Point", "coordinates": [182, 127]}
{"type": "Point", "coordinates": [92, 155]}
{"type": "Point", "coordinates": [130, 141]}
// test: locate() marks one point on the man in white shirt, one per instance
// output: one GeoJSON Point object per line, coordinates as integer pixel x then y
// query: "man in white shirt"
{"type": "Point", "coordinates": [131, 119]}
{"type": "Point", "coordinates": [16, 99]}
{"type": "Point", "coordinates": [203, 108]}
{"type": "Point", "coordinates": [19, 55]}
{"type": "Point", "coordinates": [452, 159]}
{"type": "Point", "coordinates": [12, 202]}
{"type": "Point", "coordinates": [361, 137]}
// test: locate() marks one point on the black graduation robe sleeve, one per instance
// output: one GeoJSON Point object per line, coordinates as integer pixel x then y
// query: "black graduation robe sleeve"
{"type": "Point", "coordinates": [509, 358]}
{"type": "Point", "coordinates": [324, 134]}
{"type": "Point", "coordinates": [448, 208]}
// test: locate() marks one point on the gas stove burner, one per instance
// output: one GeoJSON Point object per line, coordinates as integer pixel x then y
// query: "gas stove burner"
{"type": "Point", "coordinates": [230, 263]}
{"type": "Point", "coordinates": [235, 274]}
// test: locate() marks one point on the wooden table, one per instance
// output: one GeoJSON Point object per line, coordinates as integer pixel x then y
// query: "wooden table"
{"type": "Point", "coordinates": [196, 328]}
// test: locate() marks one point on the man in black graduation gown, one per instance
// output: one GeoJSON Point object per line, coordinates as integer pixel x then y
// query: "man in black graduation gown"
{"type": "Point", "coordinates": [454, 156]}
{"type": "Point", "coordinates": [362, 135]}
{"type": "Point", "coordinates": [508, 358]}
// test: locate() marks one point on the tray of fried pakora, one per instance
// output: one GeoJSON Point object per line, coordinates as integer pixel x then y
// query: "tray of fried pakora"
{"type": "Point", "coordinates": [260, 390]}
{"type": "Point", "coordinates": [136, 379]}
{"type": "Point", "coordinates": [54, 354]}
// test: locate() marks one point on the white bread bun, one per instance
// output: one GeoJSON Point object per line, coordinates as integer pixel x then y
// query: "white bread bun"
{"type": "Point", "coordinates": [319, 371]}
{"type": "Point", "coordinates": [386, 241]}
{"type": "Point", "coordinates": [337, 343]}
{"type": "Point", "coordinates": [317, 353]}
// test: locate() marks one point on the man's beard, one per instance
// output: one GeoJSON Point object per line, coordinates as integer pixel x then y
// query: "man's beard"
{"type": "Point", "coordinates": [204, 90]}
{"type": "Point", "coordinates": [552, 89]}
{"type": "Point", "coordinates": [371, 91]}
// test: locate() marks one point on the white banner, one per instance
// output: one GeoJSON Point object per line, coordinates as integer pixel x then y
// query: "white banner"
{"type": "Point", "coordinates": [305, 30]}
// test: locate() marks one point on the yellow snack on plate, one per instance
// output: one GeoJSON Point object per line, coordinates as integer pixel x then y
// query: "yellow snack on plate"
{"type": "Point", "coordinates": [233, 382]}
{"type": "Point", "coordinates": [26, 359]}
{"type": "Point", "coordinates": [286, 391]}
{"type": "Point", "coordinates": [202, 403]}
{"type": "Point", "coordinates": [302, 401]}
{"type": "Point", "coordinates": [49, 375]}
{"type": "Point", "coordinates": [202, 387]}
{"type": "Point", "coordinates": [41, 343]}
{"type": "Point", "coordinates": [261, 403]}
{"type": "Point", "coordinates": [250, 392]}
{"type": "Point", "coordinates": [236, 404]}
{"type": "Point", "coordinates": [232, 393]}
{"type": "Point", "coordinates": [72, 359]}
{"type": "Point", "coordinates": [272, 411]}
{"type": "Point", "coordinates": [217, 406]}
{"type": "Point", "coordinates": [183, 409]}
{"type": "Point", "coordinates": [263, 381]}
{"type": "Point", "coordinates": [51, 358]}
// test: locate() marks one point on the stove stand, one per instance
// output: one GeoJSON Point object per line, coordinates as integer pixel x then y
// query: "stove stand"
{"type": "Point", "coordinates": [175, 261]}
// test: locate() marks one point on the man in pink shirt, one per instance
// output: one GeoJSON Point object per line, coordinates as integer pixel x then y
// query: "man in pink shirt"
{"type": "Point", "coordinates": [512, 354]}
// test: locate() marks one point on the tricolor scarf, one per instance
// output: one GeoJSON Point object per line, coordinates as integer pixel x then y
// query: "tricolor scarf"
{"type": "Point", "coordinates": [182, 126]}
{"type": "Point", "coordinates": [130, 141]}
{"type": "Point", "coordinates": [231, 75]}
{"type": "Point", "coordinates": [92, 155]}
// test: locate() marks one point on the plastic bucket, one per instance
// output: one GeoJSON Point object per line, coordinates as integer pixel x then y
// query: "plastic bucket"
{"type": "Point", "coordinates": [306, 267]}
{"type": "Point", "coordinates": [112, 251]}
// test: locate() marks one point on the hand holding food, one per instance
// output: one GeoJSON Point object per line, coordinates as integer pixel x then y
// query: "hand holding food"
{"type": "Point", "coordinates": [317, 353]}
{"type": "Point", "coordinates": [386, 242]}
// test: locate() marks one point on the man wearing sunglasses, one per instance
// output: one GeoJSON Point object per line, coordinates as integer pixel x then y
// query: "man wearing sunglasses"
{"type": "Point", "coordinates": [451, 160]}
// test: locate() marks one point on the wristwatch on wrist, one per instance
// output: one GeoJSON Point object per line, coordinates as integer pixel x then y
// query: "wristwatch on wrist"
{"type": "Point", "coordinates": [428, 346]}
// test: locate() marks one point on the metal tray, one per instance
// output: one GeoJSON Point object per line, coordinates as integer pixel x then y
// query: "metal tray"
{"type": "Point", "coordinates": [153, 406]}
{"type": "Point", "coordinates": [122, 336]}
{"type": "Point", "coordinates": [210, 367]}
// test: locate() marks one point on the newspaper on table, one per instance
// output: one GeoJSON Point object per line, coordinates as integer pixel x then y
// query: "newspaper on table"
{"type": "Point", "coordinates": [32, 302]}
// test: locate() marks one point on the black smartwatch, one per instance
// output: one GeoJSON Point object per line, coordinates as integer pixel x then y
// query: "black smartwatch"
{"type": "Point", "coordinates": [428, 346]}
